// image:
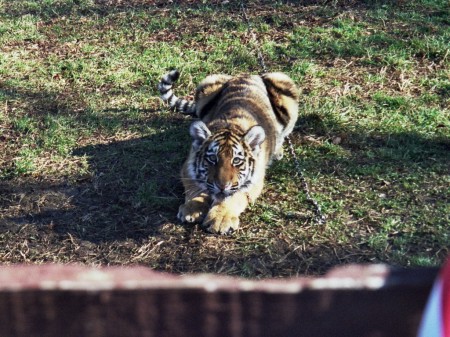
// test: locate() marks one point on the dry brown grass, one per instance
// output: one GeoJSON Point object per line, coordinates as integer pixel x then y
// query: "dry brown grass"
{"type": "Point", "coordinates": [90, 157]}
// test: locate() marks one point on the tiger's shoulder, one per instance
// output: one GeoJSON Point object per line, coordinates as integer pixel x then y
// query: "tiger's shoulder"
{"type": "Point", "coordinates": [243, 101]}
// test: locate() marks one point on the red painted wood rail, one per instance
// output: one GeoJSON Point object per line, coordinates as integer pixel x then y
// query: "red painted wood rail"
{"type": "Point", "coordinates": [64, 301]}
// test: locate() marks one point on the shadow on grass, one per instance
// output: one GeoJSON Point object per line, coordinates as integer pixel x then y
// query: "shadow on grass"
{"type": "Point", "coordinates": [407, 152]}
{"type": "Point", "coordinates": [134, 188]}
{"type": "Point", "coordinates": [105, 7]}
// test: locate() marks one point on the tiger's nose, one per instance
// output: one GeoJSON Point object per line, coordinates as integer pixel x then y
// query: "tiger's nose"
{"type": "Point", "coordinates": [224, 186]}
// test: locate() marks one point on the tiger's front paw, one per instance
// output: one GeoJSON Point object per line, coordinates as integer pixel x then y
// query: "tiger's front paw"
{"type": "Point", "coordinates": [221, 221]}
{"type": "Point", "coordinates": [192, 211]}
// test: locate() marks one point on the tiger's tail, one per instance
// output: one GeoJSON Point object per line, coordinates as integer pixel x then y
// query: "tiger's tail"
{"type": "Point", "coordinates": [165, 89]}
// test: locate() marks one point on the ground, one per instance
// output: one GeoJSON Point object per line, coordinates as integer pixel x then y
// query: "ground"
{"type": "Point", "coordinates": [89, 155]}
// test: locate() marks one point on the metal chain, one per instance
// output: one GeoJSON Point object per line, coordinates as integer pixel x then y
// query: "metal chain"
{"type": "Point", "coordinates": [319, 217]}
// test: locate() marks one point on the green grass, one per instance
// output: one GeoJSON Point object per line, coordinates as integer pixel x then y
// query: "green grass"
{"type": "Point", "coordinates": [90, 157]}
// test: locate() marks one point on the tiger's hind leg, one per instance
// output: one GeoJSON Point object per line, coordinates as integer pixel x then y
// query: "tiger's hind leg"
{"type": "Point", "coordinates": [284, 97]}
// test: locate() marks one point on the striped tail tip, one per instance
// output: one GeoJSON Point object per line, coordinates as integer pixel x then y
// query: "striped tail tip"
{"type": "Point", "coordinates": [167, 81]}
{"type": "Point", "coordinates": [167, 95]}
{"type": "Point", "coordinates": [171, 77]}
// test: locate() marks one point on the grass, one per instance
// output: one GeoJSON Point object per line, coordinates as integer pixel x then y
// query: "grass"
{"type": "Point", "coordinates": [89, 155]}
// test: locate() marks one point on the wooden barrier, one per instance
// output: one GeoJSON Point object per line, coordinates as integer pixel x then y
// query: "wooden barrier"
{"type": "Point", "coordinates": [64, 301]}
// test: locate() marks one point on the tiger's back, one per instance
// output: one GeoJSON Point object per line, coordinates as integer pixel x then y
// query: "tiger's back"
{"type": "Point", "coordinates": [243, 123]}
{"type": "Point", "coordinates": [269, 101]}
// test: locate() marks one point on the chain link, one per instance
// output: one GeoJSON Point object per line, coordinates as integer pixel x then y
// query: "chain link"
{"type": "Point", "coordinates": [319, 217]}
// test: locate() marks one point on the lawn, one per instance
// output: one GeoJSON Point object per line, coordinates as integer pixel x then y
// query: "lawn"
{"type": "Point", "coordinates": [90, 156]}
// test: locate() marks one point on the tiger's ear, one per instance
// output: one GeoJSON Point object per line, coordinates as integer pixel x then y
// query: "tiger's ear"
{"type": "Point", "coordinates": [199, 133]}
{"type": "Point", "coordinates": [254, 138]}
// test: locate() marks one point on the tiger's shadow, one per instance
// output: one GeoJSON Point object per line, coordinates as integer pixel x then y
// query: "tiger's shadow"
{"type": "Point", "coordinates": [135, 186]}
{"type": "Point", "coordinates": [129, 188]}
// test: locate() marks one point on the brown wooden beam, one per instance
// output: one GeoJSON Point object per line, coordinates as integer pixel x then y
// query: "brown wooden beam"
{"type": "Point", "coordinates": [64, 301]}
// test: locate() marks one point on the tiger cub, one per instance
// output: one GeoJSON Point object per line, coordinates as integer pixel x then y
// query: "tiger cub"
{"type": "Point", "coordinates": [243, 121]}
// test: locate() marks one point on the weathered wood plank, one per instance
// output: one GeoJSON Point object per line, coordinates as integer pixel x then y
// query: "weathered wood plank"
{"type": "Point", "coordinates": [53, 300]}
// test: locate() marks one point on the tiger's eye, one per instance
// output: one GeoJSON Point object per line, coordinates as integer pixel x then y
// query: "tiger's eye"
{"type": "Point", "coordinates": [237, 161]}
{"type": "Point", "coordinates": [212, 158]}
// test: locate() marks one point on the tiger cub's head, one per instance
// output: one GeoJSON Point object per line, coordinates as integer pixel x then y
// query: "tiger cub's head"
{"type": "Point", "coordinates": [224, 160]}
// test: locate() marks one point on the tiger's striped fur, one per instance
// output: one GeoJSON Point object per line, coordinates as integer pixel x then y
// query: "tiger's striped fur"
{"type": "Point", "coordinates": [243, 121]}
